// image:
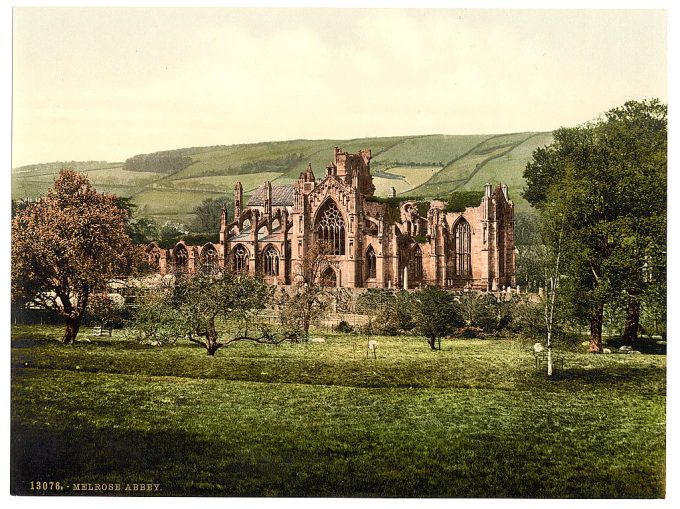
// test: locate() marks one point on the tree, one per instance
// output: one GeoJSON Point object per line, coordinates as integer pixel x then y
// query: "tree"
{"type": "Point", "coordinates": [208, 214]}
{"type": "Point", "coordinates": [102, 308]}
{"type": "Point", "coordinates": [199, 300]}
{"type": "Point", "coordinates": [607, 181]}
{"type": "Point", "coordinates": [67, 246]}
{"type": "Point", "coordinates": [436, 313]}
{"type": "Point", "coordinates": [389, 311]}
{"type": "Point", "coordinates": [308, 299]}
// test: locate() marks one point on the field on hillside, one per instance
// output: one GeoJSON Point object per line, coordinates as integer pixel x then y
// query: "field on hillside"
{"type": "Point", "coordinates": [429, 166]}
{"type": "Point", "coordinates": [321, 419]}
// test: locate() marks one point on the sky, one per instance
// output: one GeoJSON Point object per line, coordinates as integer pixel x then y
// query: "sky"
{"type": "Point", "coordinates": [108, 83]}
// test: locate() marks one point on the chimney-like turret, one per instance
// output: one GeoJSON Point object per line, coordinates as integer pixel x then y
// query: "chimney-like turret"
{"type": "Point", "coordinates": [238, 200]}
{"type": "Point", "coordinates": [268, 198]}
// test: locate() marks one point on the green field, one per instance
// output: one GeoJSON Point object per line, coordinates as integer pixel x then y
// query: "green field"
{"type": "Point", "coordinates": [402, 178]}
{"type": "Point", "coordinates": [320, 419]}
{"type": "Point", "coordinates": [424, 150]}
{"type": "Point", "coordinates": [430, 166]}
{"type": "Point", "coordinates": [461, 170]}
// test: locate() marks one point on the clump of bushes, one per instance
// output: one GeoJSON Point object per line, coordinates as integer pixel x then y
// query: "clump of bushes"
{"type": "Point", "coordinates": [469, 332]}
{"type": "Point", "coordinates": [391, 312]}
{"type": "Point", "coordinates": [344, 327]}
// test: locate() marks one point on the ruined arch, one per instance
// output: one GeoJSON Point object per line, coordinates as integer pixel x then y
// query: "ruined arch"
{"type": "Point", "coordinates": [153, 253]}
{"type": "Point", "coordinates": [180, 258]}
{"type": "Point", "coordinates": [329, 227]}
{"type": "Point", "coordinates": [415, 263]}
{"type": "Point", "coordinates": [329, 277]}
{"type": "Point", "coordinates": [462, 243]}
{"type": "Point", "coordinates": [371, 263]}
{"type": "Point", "coordinates": [270, 261]}
{"type": "Point", "coordinates": [240, 259]}
{"type": "Point", "coordinates": [209, 259]}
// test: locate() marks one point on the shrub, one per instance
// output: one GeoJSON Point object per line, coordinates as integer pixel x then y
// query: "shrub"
{"type": "Point", "coordinates": [344, 327]}
{"type": "Point", "coordinates": [469, 332]}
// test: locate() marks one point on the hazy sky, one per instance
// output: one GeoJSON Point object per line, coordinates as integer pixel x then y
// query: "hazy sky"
{"type": "Point", "coordinates": [105, 84]}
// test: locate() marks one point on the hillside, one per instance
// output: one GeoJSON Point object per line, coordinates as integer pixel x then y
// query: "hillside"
{"type": "Point", "coordinates": [167, 185]}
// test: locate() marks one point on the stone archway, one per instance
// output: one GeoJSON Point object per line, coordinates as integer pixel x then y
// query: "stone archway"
{"type": "Point", "coordinates": [329, 278]}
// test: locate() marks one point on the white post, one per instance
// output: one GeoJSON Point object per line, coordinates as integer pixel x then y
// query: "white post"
{"type": "Point", "coordinates": [405, 278]}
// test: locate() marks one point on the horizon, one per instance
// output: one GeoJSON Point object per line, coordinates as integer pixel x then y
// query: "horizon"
{"type": "Point", "coordinates": [104, 84]}
{"type": "Point", "coordinates": [275, 141]}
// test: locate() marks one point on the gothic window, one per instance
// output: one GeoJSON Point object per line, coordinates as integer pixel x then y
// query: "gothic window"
{"type": "Point", "coordinates": [240, 261]}
{"type": "Point", "coordinates": [331, 229]}
{"type": "Point", "coordinates": [329, 278]}
{"type": "Point", "coordinates": [416, 264]}
{"type": "Point", "coordinates": [370, 263]}
{"type": "Point", "coordinates": [462, 247]}
{"type": "Point", "coordinates": [209, 263]}
{"type": "Point", "coordinates": [154, 256]}
{"type": "Point", "coordinates": [180, 258]}
{"type": "Point", "coordinates": [246, 225]}
{"type": "Point", "coordinates": [271, 261]}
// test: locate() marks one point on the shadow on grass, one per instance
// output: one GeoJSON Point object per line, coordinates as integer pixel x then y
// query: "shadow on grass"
{"type": "Point", "coordinates": [171, 458]}
{"type": "Point", "coordinates": [606, 375]}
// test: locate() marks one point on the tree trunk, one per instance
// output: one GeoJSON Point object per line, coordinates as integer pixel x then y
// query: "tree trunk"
{"type": "Point", "coordinates": [211, 343]}
{"type": "Point", "coordinates": [431, 342]}
{"type": "Point", "coordinates": [596, 328]}
{"type": "Point", "coordinates": [630, 331]}
{"type": "Point", "coordinates": [72, 328]}
{"type": "Point", "coordinates": [212, 347]}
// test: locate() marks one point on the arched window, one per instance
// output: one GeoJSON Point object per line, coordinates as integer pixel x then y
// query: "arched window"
{"type": "Point", "coordinates": [245, 225]}
{"type": "Point", "coordinates": [276, 224]}
{"type": "Point", "coordinates": [330, 228]}
{"type": "Point", "coordinates": [154, 256]}
{"type": "Point", "coordinates": [240, 259]}
{"type": "Point", "coordinates": [462, 248]}
{"type": "Point", "coordinates": [329, 278]}
{"type": "Point", "coordinates": [209, 257]}
{"type": "Point", "coordinates": [416, 264]}
{"type": "Point", "coordinates": [180, 258]}
{"type": "Point", "coordinates": [270, 257]}
{"type": "Point", "coordinates": [370, 263]}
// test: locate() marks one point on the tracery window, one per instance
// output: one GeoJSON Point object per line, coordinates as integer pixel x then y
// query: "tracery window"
{"type": "Point", "coordinates": [154, 257]}
{"type": "Point", "coordinates": [370, 263]}
{"type": "Point", "coordinates": [240, 259]}
{"type": "Point", "coordinates": [329, 278]}
{"type": "Point", "coordinates": [181, 259]}
{"type": "Point", "coordinates": [271, 261]}
{"type": "Point", "coordinates": [331, 229]}
{"type": "Point", "coordinates": [209, 263]}
{"type": "Point", "coordinates": [416, 263]}
{"type": "Point", "coordinates": [462, 247]}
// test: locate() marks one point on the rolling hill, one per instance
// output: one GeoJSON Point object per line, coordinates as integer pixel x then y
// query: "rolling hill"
{"type": "Point", "coordinates": [167, 185]}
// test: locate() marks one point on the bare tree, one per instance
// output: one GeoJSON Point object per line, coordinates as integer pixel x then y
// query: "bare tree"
{"type": "Point", "coordinates": [552, 279]}
{"type": "Point", "coordinates": [308, 300]}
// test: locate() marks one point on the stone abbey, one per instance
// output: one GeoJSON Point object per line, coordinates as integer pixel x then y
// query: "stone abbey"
{"type": "Point", "coordinates": [370, 243]}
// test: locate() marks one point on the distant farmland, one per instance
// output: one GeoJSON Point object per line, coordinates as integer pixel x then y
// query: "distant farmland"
{"type": "Point", "coordinates": [167, 185]}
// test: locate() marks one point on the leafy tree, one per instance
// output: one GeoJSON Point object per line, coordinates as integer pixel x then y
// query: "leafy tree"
{"type": "Point", "coordinates": [103, 310]}
{"type": "Point", "coordinates": [141, 230]}
{"type": "Point", "coordinates": [208, 214]}
{"type": "Point", "coordinates": [199, 300]}
{"type": "Point", "coordinates": [389, 311]}
{"type": "Point", "coordinates": [155, 319]}
{"type": "Point", "coordinates": [606, 181]}
{"type": "Point", "coordinates": [67, 246]}
{"type": "Point", "coordinates": [436, 314]}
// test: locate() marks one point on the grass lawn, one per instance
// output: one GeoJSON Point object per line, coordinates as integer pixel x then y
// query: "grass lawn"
{"type": "Point", "coordinates": [320, 419]}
